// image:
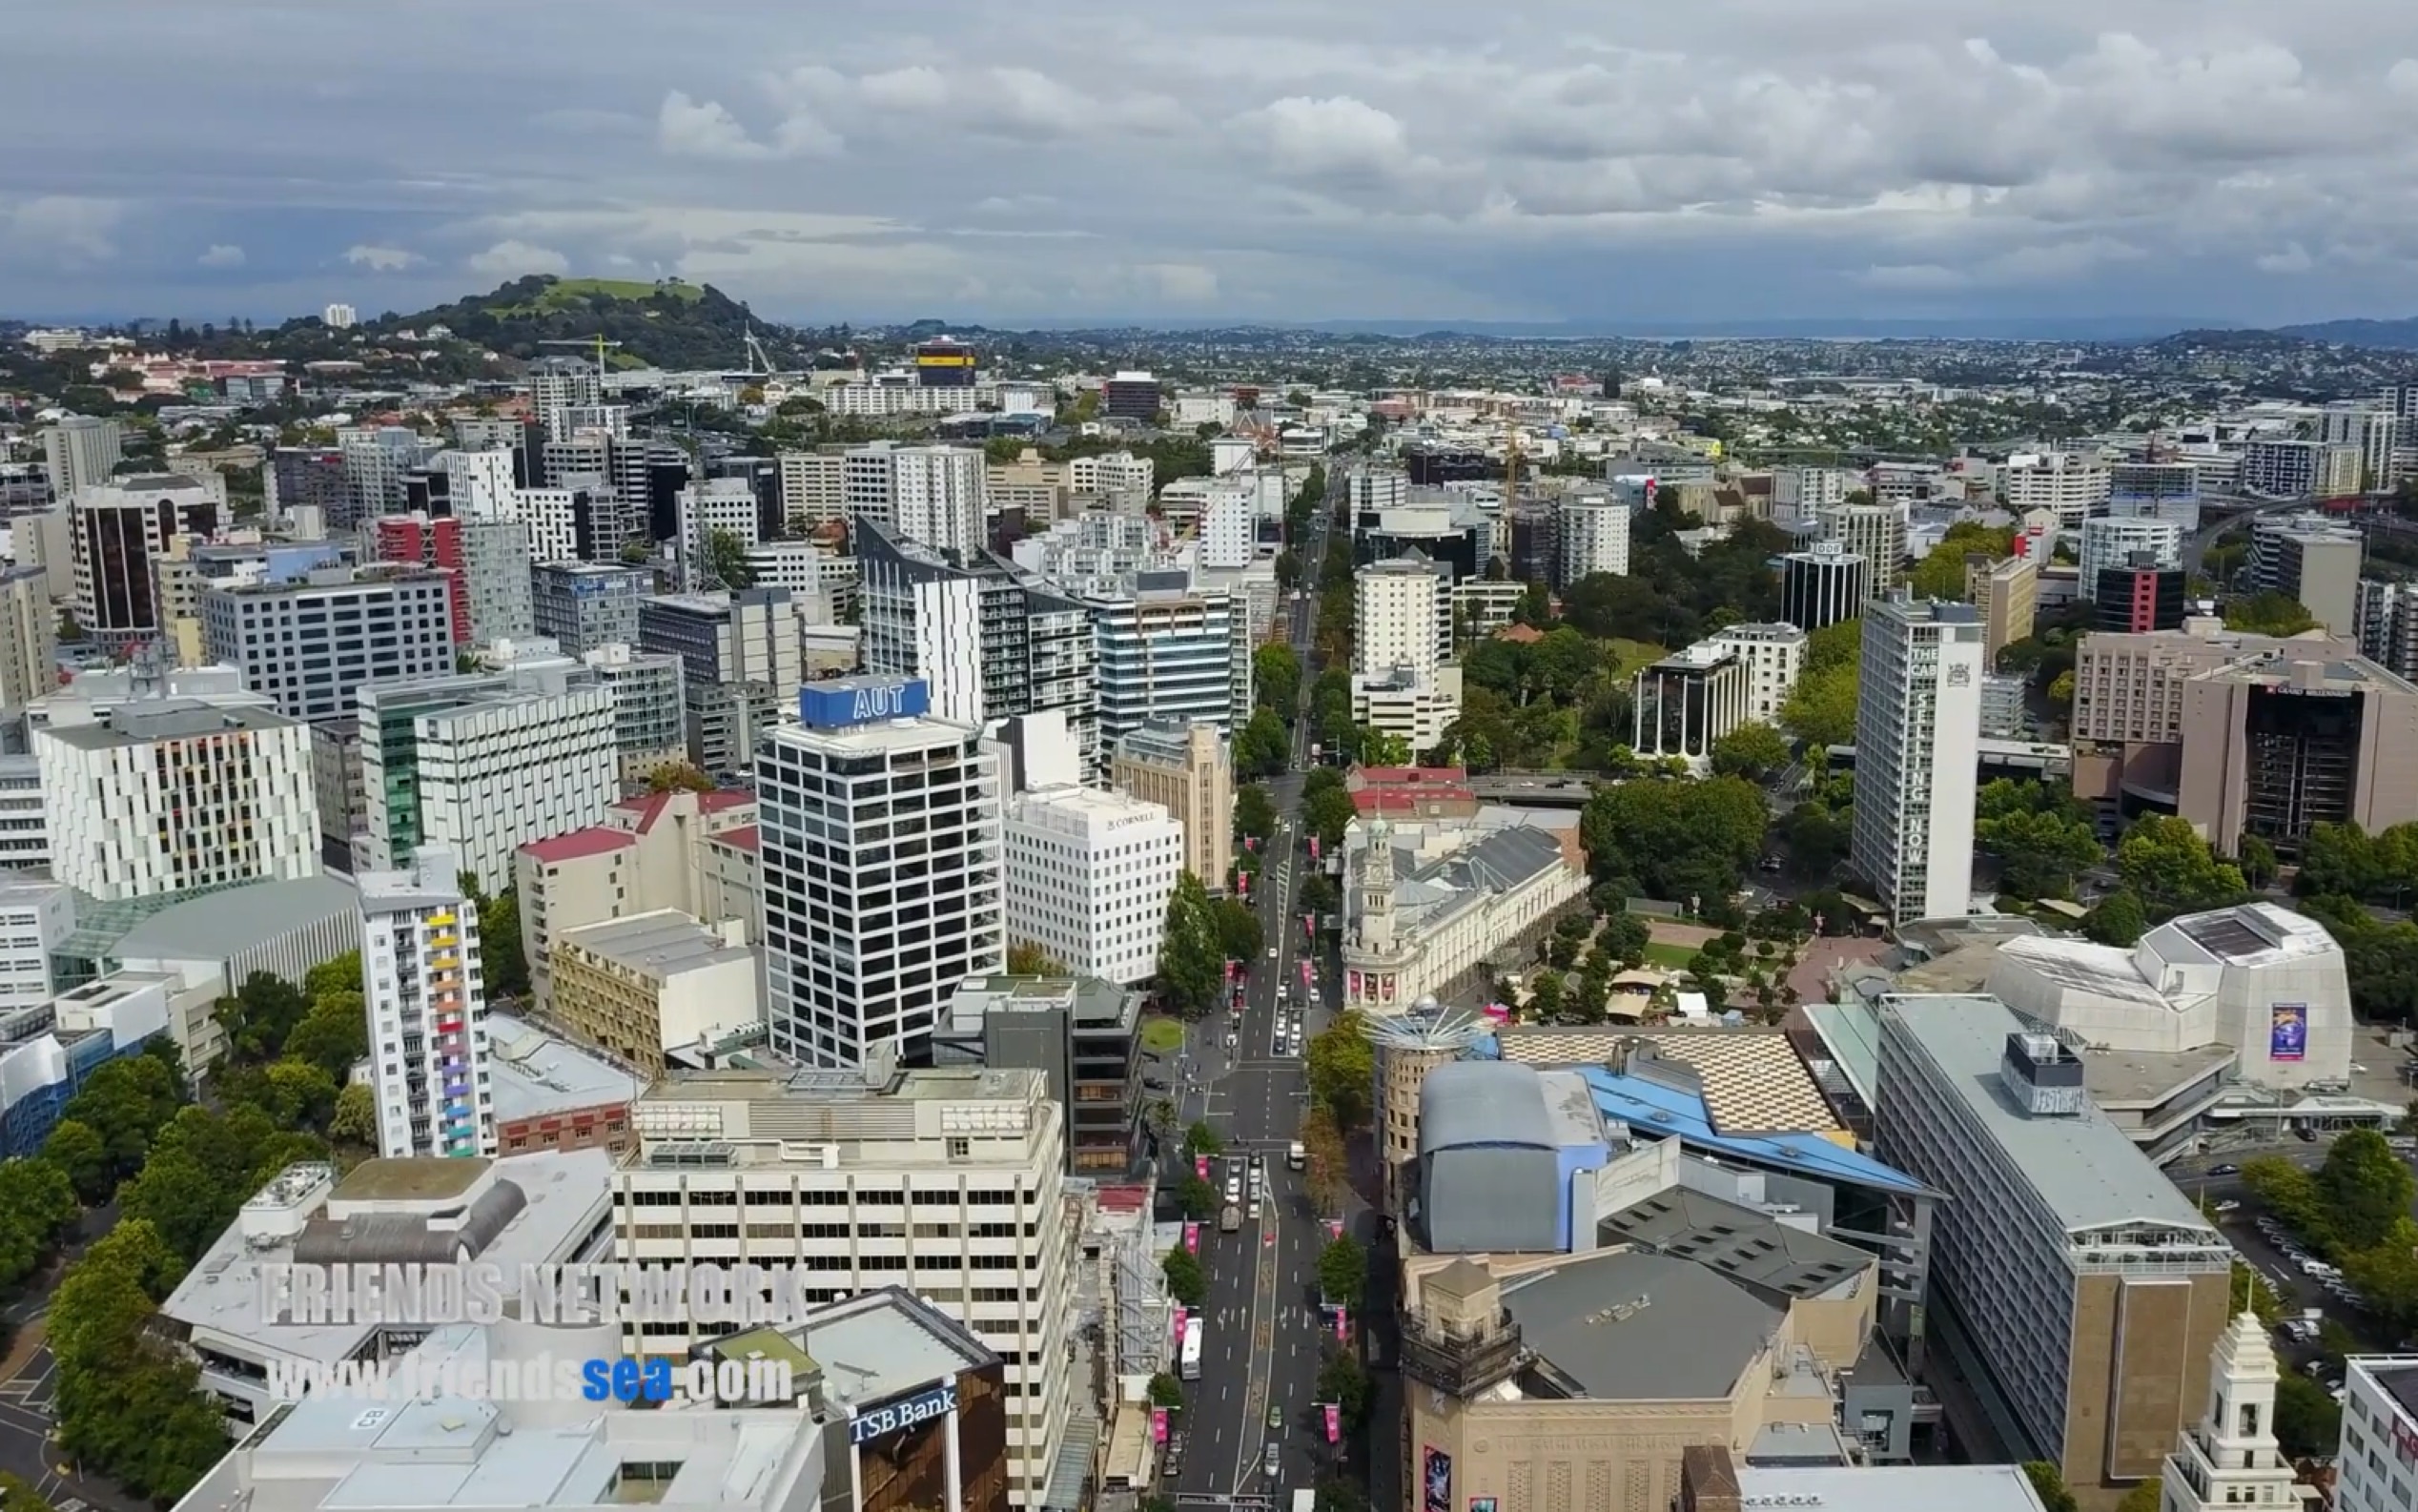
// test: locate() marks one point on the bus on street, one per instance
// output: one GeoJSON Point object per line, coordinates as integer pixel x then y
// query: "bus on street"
{"type": "Point", "coordinates": [1190, 1366]}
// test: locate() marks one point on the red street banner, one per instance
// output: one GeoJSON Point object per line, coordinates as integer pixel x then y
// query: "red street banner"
{"type": "Point", "coordinates": [1334, 1229]}
{"type": "Point", "coordinates": [1334, 1423]}
{"type": "Point", "coordinates": [1242, 882]}
{"type": "Point", "coordinates": [1313, 847]}
{"type": "Point", "coordinates": [1181, 1315]}
{"type": "Point", "coordinates": [1342, 1325]}
{"type": "Point", "coordinates": [1158, 1425]}
{"type": "Point", "coordinates": [1192, 1237]}
{"type": "Point", "coordinates": [1305, 973]}
{"type": "Point", "coordinates": [1200, 1167]}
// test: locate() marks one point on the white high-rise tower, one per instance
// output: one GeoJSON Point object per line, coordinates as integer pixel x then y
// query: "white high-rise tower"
{"type": "Point", "coordinates": [427, 1005]}
{"type": "Point", "coordinates": [2229, 1458]}
{"type": "Point", "coordinates": [1917, 737]}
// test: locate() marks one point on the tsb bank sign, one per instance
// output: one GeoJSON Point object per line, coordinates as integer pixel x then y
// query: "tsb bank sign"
{"type": "Point", "coordinates": [862, 701]}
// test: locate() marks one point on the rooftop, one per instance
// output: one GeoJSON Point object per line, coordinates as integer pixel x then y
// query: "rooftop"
{"type": "Point", "coordinates": [650, 806]}
{"type": "Point", "coordinates": [2087, 1170]}
{"type": "Point", "coordinates": [1745, 1246]}
{"type": "Point", "coordinates": [144, 721]}
{"type": "Point", "coordinates": [536, 1076]}
{"type": "Point", "coordinates": [596, 840]}
{"type": "Point", "coordinates": [879, 1344]}
{"type": "Point", "coordinates": [661, 942]}
{"type": "Point", "coordinates": [1889, 1489]}
{"type": "Point", "coordinates": [1753, 1080]}
{"type": "Point", "coordinates": [220, 926]}
{"type": "Point", "coordinates": [2247, 934]}
{"type": "Point", "coordinates": [1630, 1327]}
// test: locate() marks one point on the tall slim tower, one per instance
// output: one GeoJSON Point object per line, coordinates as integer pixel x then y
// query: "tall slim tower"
{"type": "Point", "coordinates": [1917, 737]}
{"type": "Point", "coordinates": [2229, 1458]}
{"type": "Point", "coordinates": [427, 1004]}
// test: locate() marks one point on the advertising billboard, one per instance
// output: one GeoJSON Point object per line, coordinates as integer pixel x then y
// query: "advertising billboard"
{"type": "Point", "coordinates": [1436, 1482]}
{"type": "Point", "coordinates": [2289, 1031]}
{"type": "Point", "coordinates": [907, 1412]}
{"type": "Point", "coordinates": [1481, 1504]}
{"type": "Point", "coordinates": [848, 701]}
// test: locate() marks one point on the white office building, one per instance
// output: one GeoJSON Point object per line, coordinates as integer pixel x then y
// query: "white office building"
{"type": "Point", "coordinates": [2067, 485]}
{"type": "Point", "coordinates": [483, 766]}
{"type": "Point", "coordinates": [2377, 1470]}
{"type": "Point", "coordinates": [36, 917]}
{"type": "Point", "coordinates": [2113, 542]}
{"type": "Point", "coordinates": [311, 643]}
{"type": "Point", "coordinates": [879, 860]}
{"type": "Point", "coordinates": [1917, 737]}
{"type": "Point", "coordinates": [1875, 533]}
{"type": "Point", "coordinates": [948, 1181]}
{"type": "Point", "coordinates": [427, 1002]}
{"type": "Point", "coordinates": [716, 506]}
{"type": "Point", "coordinates": [79, 451]}
{"type": "Point", "coordinates": [1594, 537]}
{"type": "Point", "coordinates": [1088, 876]}
{"type": "Point", "coordinates": [24, 819]}
{"type": "Point", "coordinates": [1168, 651]}
{"type": "Point", "coordinates": [1772, 658]}
{"type": "Point", "coordinates": [161, 795]}
{"type": "Point", "coordinates": [931, 494]}
{"type": "Point", "coordinates": [2371, 430]}
{"type": "Point", "coordinates": [813, 488]}
{"type": "Point", "coordinates": [1396, 606]}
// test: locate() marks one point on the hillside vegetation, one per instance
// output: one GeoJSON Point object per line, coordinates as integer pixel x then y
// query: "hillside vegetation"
{"type": "Point", "coordinates": [670, 324]}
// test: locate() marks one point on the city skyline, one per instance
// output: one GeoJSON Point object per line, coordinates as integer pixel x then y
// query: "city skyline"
{"type": "Point", "coordinates": [1745, 162]}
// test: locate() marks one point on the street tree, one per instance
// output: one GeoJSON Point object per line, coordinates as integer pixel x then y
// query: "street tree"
{"type": "Point", "coordinates": [1192, 961]}
{"type": "Point", "coordinates": [1343, 1270]}
{"type": "Point", "coordinates": [1186, 1282]}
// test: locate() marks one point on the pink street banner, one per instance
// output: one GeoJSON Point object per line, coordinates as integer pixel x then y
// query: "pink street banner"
{"type": "Point", "coordinates": [1180, 1326]}
{"type": "Point", "coordinates": [1192, 1237]}
{"type": "Point", "coordinates": [1334, 1423]}
{"type": "Point", "coordinates": [1342, 1325]}
{"type": "Point", "coordinates": [1334, 1229]}
{"type": "Point", "coordinates": [1158, 1425]}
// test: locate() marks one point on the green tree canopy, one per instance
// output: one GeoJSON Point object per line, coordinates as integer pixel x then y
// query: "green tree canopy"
{"type": "Point", "coordinates": [2366, 1189]}
{"type": "Point", "coordinates": [1186, 1282]}
{"type": "Point", "coordinates": [1026, 959]}
{"type": "Point", "coordinates": [1343, 1270]}
{"type": "Point", "coordinates": [2270, 613]}
{"type": "Point", "coordinates": [1754, 750]}
{"type": "Point", "coordinates": [1820, 710]}
{"type": "Point", "coordinates": [1940, 574]}
{"type": "Point", "coordinates": [1342, 1067]}
{"type": "Point", "coordinates": [1253, 811]}
{"type": "Point", "coordinates": [2172, 870]}
{"type": "Point", "coordinates": [1192, 960]}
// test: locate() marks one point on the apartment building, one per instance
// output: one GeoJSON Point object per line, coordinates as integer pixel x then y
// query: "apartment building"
{"type": "Point", "coordinates": [2071, 486]}
{"type": "Point", "coordinates": [79, 451]}
{"type": "Point", "coordinates": [2298, 469]}
{"type": "Point", "coordinates": [2369, 429]}
{"type": "Point", "coordinates": [864, 936]}
{"type": "Point", "coordinates": [2073, 1284]}
{"type": "Point", "coordinates": [1875, 533]}
{"type": "Point", "coordinates": [948, 1180]}
{"type": "Point", "coordinates": [1772, 657]}
{"type": "Point", "coordinates": [650, 721]}
{"type": "Point", "coordinates": [118, 530]}
{"type": "Point", "coordinates": [1088, 877]}
{"type": "Point", "coordinates": [29, 639]}
{"type": "Point", "coordinates": [2007, 592]}
{"type": "Point", "coordinates": [483, 763]}
{"type": "Point", "coordinates": [312, 642]}
{"type": "Point", "coordinates": [813, 489]}
{"type": "Point", "coordinates": [657, 989]}
{"type": "Point", "coordinates": [585, 606]}
{"type": "Point", "coordinates": [1185, 769]}
{"type": "Point", "coordinates": [2312, 560]}
{"type": "Point", "coordinates": [423, 976]}
{"type": "Point", "coordinates": [1168, 650]}
{"type": "Point", "coordinates": [489, 560]}
{"type": "Point", "coordinates": [928, 494]}
{"type": "Point", "coordinates": [742, 660]}
{"type": "Point", "coordinates": [1592, 532]}
{"type": "Point", "coordinates": [647, 854]}
{"type": "Point", "coordinates": [161, 795]}
{"type": "Point", "coordinates": [1917, 737]}
{"type": "Point", "coordinates": [2115, 541]}
{"type": "Point", "coordinates": [2388, 624]}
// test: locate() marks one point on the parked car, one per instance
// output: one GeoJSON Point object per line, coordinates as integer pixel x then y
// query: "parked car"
{"type": "Point", "coordinates": [2224, 1170]}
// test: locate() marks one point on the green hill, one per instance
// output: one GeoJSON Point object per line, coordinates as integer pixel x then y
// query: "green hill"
{"type": "Point", "coordinates": [669, 324]}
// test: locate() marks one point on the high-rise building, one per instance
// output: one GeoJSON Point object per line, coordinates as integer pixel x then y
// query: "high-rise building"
{"type": "Point", "coordinates": [36, 917]}
{"type": "Point", "coordinates": [2067, 485]}
{"type": "Point", "coordinates": [120, 531]}
{"type": "Point", "coordinates": [1131, 396]}
{"type": "Point", "coordinates": [586, 605]}
{"type": "Point", "coordinates": [2371, 430]}
{"type": "Point", "coordinates": [1402, 684]}
{"type": "Point", "coordinates": [2116, 539]}
{"type": "Point", "coordinates": [24, 819]}
{"type": "Point", "coordinates": [2388, 624]}
{"type": "Point", "coordinates": [480, 766]}
{"type": "Point", "coordinates": [1184, 768]}
{"type": "Point", "coordinates": [167, 794]}
{"type": "Point", "coordinates": [741, 664]}
{"type": "Point", "coordinates": [813, 489]}
{"type": "Point", "coordinates": [1167, 650]}
{"type": "Point", "coordinates": [1375, 489]}
{"type": "Point", "coordinates": [340, 317]}
{"type": "Point", "coordinates": [422, 972]}
{"type": "Point", "coordinates": [867, 929]}
{"type": "Point", "coordinates": [2374, 1471]}
{"type": "Point", "coordinates": [1088, 878]}
{"type": "Point", "coordinates": [944, 362]}
{"type": "Point", "coordinates": [312, 642]}
{"type": "Point", "coordinates": [80, 451]}
{"type": "Point", "coordinates": [932, 494]}
{"type": "Point", "coordinates": [2007, 591]}
{"type": "Point", "coordinates": [2310, 559]}
{"type": "Point", "coordinates": [1917, 739]}
{"type": "Point", "coordinates": [1594, 535]}
{"type": "Point", "coordinates": [989, 643]}
{"type": "Point", "coordinates": [557, 384]}
{"type": "Point", "coordinates": [2229, 1458]}
{"type": "Point", "coordinates": [716, 506]}
{"type": "Point", "coordinates": [1821, 586]}
{"type": "Point", "coordinates": [650, 721]}
{"type": "Point", "coordinates": [1686, 701]}
{"type": "Point", "coordinates": [304, 478]}
{"type": "Point", "coordinates": [2297, 469]}
{"type": "Point", "coordinates": [1877, 533]}
{"type": "Point", "coordinates": [2274, 746]}
{"type": "Point", "coordinates": [2139, 595]}
{"type": "Point", "coordinates": [2159, 490]}
{"type": "Point", "coordinates": [980, 1151]}
{"type": "Point", "coordinates": [28, 637]}
{"type": "Point", "coordinates": [378, 464]}
{"type": "Point", "coordinates": [2087, 1292]}
{"type": "Point", "coordinates": [1772, 657]}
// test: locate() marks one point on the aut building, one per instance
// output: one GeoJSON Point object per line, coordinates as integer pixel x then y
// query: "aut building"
{"type": "Point", "coordinates": [944, 362]}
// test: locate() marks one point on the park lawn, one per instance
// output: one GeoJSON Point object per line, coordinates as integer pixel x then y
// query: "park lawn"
{"type": "Point", "coordinates": [1659, 952]}
{"type": "Point", "coordinates": [1161, 1035]}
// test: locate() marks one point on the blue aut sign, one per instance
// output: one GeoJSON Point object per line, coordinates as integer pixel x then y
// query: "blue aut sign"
{"type": "Point", "coordinates": [907, 1412]}
{"type": "Point", "coordinates": [862, 701]}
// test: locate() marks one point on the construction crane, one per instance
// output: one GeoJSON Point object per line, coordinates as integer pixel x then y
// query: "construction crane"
{"type": "Point", "coordinates": [598, 342]}
{"type": "Point", "coordinates": [759, 362]}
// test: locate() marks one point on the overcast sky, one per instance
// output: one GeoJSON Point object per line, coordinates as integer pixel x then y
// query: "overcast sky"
{"type": "Point", "coordinates": [1248, 160]}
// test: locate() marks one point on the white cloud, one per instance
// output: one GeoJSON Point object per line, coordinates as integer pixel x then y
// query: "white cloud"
{"type": "Point", "coordinates": [381, 259]}
{"type": "Point", "coordinates": [2290, 258]}
{"type": "Point", "coordinates": [688, 128]}
{"type": "Point", "coordinates": [221, 255]}
{"type": "Point", "coordinates": [511, 260]}
{"type": "Point", "coordinates": [1182, 282]}
{"type": "Point", "coordinates": [67, 231]}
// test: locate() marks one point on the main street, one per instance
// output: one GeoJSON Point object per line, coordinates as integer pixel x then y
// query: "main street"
{"type": "Point", "coordinates": [1261, 1345]}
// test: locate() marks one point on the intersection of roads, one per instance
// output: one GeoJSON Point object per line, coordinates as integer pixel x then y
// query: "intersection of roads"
{"type": "Point", "coordinates": [1263, 1333]}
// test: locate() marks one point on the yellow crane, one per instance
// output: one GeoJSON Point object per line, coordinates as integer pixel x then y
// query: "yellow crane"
{"type": "Point", "coordinates": [597, 341]}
